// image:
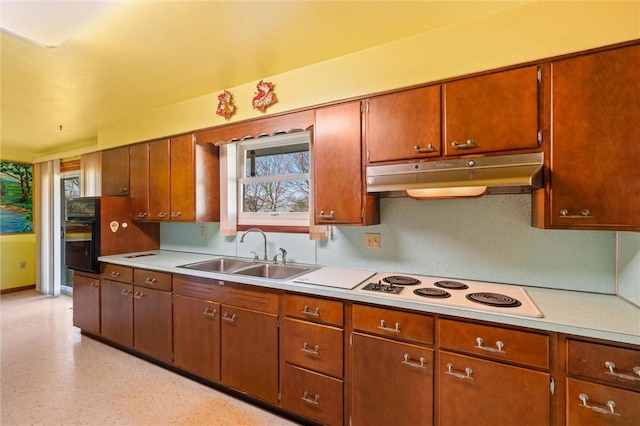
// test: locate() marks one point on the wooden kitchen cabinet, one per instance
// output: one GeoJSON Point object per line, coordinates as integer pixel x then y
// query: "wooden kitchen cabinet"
{"type": "Point", "coordinates": [159, 180]}
{"type": "Point", "coordinates": [492, 113]}
{"type": "Point", "coordinates": [403, 125]}
{"type": "Point", "coordinates": [86, 302]}
{"type": "Point", "coordinates": [116, 311]}
{"type": "Point", "coordinates": [249, 341]}
{"type": "Point", "coordinates": [594, 154]}
{"type": "Point", "coordinates": [115, 171]}
{"type": "Point", "coordinates": [340, 196]}
{"type": "Point", "coordinates": [139, 181]}
{"type": "Point", "coordinates": [196, 326]}
{"type": "Point", "coordinates": [392, 367]}
{"type": "Point", "coordinates": [152, 314]}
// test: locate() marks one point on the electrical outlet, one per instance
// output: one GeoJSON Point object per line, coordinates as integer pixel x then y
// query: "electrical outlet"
{"type": "Point", "coordinates": [372, 241]}
{"type": "Point", "coordinates": [23, 265]}
{"type": "Point", "coordinates": [203, 232]}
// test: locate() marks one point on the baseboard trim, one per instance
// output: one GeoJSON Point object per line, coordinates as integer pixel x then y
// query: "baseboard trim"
{"type": "Point", "coordinates": [14, 289]}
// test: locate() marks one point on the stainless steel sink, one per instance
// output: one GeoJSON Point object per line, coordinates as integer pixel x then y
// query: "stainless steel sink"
{"type": "Point", "coordinates": [219, 265]}
{"type": "Point", "coordinates": [274, 272]}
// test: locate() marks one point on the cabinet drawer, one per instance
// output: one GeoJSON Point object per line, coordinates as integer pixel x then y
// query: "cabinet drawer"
{"type": "Point", "coordinates": [394, 324]}
{"type": "Point", "coordinates": [312, 395]}
{"type": "Point", "coordinates": [495, 342]}
{"type": "Point", "coordinates": [618, 366]}
{"type": "Point", "coordinates": [200, 288]}
{"type": "Point", "coordinates": [314, 309]}
{"type": "Point", "coordinates": [599, 399]}
{"type": "Point", "coordinates": [314, 346]}
{"type": "Point", "coordinates": [117, 273]}
{"type": "Point", "coordinates": [152, 279]}
{"type": "Point", "coordinates": [246, 297]}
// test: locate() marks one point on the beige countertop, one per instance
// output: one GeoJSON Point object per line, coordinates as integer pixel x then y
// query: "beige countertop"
{"type": "Point", "coordinates": [600, 316]}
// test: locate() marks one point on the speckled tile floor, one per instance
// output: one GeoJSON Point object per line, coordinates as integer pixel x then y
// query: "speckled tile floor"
{"type": "Point", "coordinates": [52, 375]}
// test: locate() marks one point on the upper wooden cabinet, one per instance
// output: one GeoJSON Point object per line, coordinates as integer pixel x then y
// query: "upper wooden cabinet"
{"type": "Point", "coordinates": [175, 179]}
{"type": "Point", "coordinates": [594, 181]}
{"type": "Point", "coordinates": [115, 171]}
{"type": "Point", "coordinates": [494, 112]}
{"type": "Point", "coordinates": [403, 125]}
{"type": "Point", "coordinates": [340, 194]}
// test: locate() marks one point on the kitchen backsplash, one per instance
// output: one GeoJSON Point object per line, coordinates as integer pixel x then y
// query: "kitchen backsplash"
{"type": "Point", "coordinates": [487, 239]}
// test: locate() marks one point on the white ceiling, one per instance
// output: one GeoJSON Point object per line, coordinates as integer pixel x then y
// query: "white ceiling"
{"type": "Point", "coordinates": [140, 55]}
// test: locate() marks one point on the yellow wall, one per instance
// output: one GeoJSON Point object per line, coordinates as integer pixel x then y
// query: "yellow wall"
{"type": "Point", "coordinates": [16, 248]}
{"type": "Point", "coordinates": [532, 31]}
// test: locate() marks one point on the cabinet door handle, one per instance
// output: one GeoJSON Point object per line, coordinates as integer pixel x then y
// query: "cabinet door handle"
{"type": "Point", "coordinates": [125, 292]}
{"type": "Point", "coordinates": [610, 405]}
{"type": "Point", "coordinates": [306, 311]}
{"type": "Point", "coordinates": [315, 351]}
{"type": "Point", "coordinates": [123, 189]}
{"type": "Point", "coordinates": [176, 214]}
{"type": "Point", "coordinates": [150, 280]}
{"type": "Point", "coordinates": [162, 214]}
{"type": "Point", "coordinates": [421, 364]}
{"type": "Point", "coordinates": [115, 274]}
{"type": "Point", "coordinates": [93, 286]}
{"type": "Point", "coordinates": [499, 346]}
{"type": "Point", "coordinates": [138, 295]}
{"type": "Point", "coordinates": [383, 326]}
{"type": "Point", "coordinates": [469, 144]}
{"type": "Point", "coordinates": [227, 318]}
{"type": "Point", "coordinates": [429, 148]}
{"type": "Point", "coordinates": [467, 372]}
{"type": "Point", "coordinates": [314, 401]}
{"type": "Point", "coordinates": [331, 215]}
{"type": "Point", "coordinates": [142, 215]}
{"type": "Point", "coordinates": [611, 366]}
{"type": "Point", "coordinates": [584, 214]}
{"type": "Point", "coordinates": [210, 313]}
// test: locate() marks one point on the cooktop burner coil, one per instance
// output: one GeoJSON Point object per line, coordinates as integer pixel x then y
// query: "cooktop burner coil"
{"type": "Point", "coordinates": [432, 292]}
{"type": "Point", "coordinates": [494, 299]}
{"type": "Point", "coordinates": [401, 280]}
{"type": "Point", "coordinates": [451, 285]}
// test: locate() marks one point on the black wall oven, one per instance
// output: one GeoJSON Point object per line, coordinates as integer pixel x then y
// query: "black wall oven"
{"type": "Point", "coordinates": [82, 234]}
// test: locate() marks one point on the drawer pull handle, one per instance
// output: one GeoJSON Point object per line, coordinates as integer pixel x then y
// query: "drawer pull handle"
{"type": "Point", "coordinates": [306, 311]}
{"type": "Point", "coordinates": [383, 326]}
{"type": "Point", "coordinates": [138, 294]}
{"type": "Point", "coordinates": [468, 372]}
{"type": "Point", "coordinates": [610, 405]}
{"type": "Point", "coordinates": [429, 148]}
{"type": "Point", "coordinates": [115, 274]}
{"type": "Point", "coordinates": [210, 312]}
{"type": "Point", "coordinates": [227, 318]}
{"type": "Point", "coordinates": [421, 364]}
{"type": "Point", "coordinates": [611, 366]}
{"type": "Point", "coordinates": [150, 280]}
{"type": "Point", "coordinates": [584, 214]}
{"type": "Point", "coordinates": [314, 401]}
{"type": "Point", "coordinates": [331, 215]}
{"type": "Point", "coordinates": [499, 346]}
{"type": "Point", "coordinates": [315, 351]}
{"type": "Point", "coordinates": [470, 144]}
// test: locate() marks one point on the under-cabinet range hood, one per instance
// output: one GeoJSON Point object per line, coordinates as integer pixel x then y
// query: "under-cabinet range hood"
{"type": "Point", "coordinates": [506, 174]}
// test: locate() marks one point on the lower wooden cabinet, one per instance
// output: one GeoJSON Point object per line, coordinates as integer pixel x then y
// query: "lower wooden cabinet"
{"type": "Point", "coordinates": [474, 391]}
{"type": "Point", "coordinates": [392, 382]}
{"type": "Point", "coordinates": [249, 352]}
{"type": "Point", "coordinates": [116, 311]}
{"type": "Point", "coordinates": [592, 404]}
{"type": "Point", "coordinates": [86, 302]}
{"type": "Point", "coordinates": [196, 336]}
{"type": "Point", "coordinates": [152, 323]}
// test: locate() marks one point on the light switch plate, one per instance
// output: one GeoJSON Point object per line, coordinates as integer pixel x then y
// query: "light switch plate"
{"type": "Point", "coordinates": [372, 240]}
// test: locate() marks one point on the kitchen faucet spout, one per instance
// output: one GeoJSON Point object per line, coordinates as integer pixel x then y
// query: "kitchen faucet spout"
{"type": "Point", "coordinates": [263, 236]}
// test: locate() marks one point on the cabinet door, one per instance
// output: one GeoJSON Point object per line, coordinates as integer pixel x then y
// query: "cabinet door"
{"type": "Point", "coordinates": [196, 336]}
{"type": "Point", "coordinates": [473, 391]}
{"type": "Point", "coordinates": [139, 181]}
{"type": "Point", "coordinates": [595, 134]}
{"type": "Point", "coordinates": [403, 125]}
{"type": "Point", "coordinates": [86, 303]}
{"type": "Point", "coordinates": [391, 383]}
{"type": "Point", "coordinates": [115, 171]}
{"type": "Point", "coordinates": [182, 178]}
{"type": "Point", "coordinates": [591, 404]}
{"type": "Point", "coordinates": [152, 323]}
{"type": "Point", "coordinates": [159, 204]}
{"type": "Point", "coordinates": [340, 195]}
{"type": "Point", "coordinates": [116, 311]}
{"type": "Point", "coordinates": [495, 112]}
{"type": "Point", "coordinates": [249, 344]}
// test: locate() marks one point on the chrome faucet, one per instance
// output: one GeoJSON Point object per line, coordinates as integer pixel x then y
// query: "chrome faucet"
{"type": "Point", "coordinates": [265, 242]}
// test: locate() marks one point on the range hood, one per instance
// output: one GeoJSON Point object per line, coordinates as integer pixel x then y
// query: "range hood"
{"type": "Point", "coordinates": [507, 174]}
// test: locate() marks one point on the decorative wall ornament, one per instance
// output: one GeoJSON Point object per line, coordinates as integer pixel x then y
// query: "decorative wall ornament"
{"type": "Point", "coordinates": [16, 198]}
{"type": "Point", "coordinates": [226, 108]}
{"type": "Point", "coordinates": [265, 96]}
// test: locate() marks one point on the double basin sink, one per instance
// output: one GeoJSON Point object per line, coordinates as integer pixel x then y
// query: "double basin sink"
{"type": "Point", "coordinates": [248, 268]}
